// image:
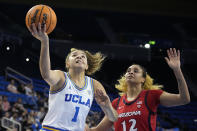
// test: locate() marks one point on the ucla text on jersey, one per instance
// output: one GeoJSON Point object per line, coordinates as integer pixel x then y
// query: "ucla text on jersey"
{"type": "Point", "coordinates": [77, 99]}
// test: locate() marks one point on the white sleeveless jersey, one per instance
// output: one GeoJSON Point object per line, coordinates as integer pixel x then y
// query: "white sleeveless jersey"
{"type": "Point", "coordinates": [69, 106]}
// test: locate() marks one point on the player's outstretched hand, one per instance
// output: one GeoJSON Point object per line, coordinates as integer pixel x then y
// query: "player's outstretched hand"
{"type": "Point", "coordinates": [102, 98]}
{"type": "Point", "coordinates": [39, 33]}
{"type": "Point", "coordinates": [173, 59]}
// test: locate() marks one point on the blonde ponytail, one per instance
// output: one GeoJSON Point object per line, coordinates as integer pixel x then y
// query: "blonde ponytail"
{"type": "Point", "coordinates": [148, 85]}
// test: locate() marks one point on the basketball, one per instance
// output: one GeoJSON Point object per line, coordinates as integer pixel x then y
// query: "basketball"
{"type": "Point", "coordinates": [43, 14]}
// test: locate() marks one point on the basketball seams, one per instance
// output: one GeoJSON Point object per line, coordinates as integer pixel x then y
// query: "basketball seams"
{"type": "Point", "coordinates": [50, 18]}
{"type": "Point", "coordinates": [41, 12]}
{"type": "Point", "coordinates": [28, 17]}
{"type": "Point", "coordinates": [29, 26]}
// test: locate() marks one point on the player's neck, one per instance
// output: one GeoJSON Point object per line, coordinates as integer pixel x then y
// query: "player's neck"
{"type": "Point", "coordinates": [77, 77]}
{"type": "Point", "coordinates": [133, 91]}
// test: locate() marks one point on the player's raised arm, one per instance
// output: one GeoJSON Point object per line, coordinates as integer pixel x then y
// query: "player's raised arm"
{"type": "Point", "coordinates": [168, 99]}
{"type": "Point", "coordinates": [52, 77]}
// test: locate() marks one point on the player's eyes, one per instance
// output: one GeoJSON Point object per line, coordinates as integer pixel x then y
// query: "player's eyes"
{"type": "Point", "coordinates": [136, 71]}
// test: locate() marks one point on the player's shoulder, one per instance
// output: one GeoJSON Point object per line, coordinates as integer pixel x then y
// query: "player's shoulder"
{"type": "Point", "coordinates": [153, 95]}
{"type": "Point", "coordinates": [97, 84]}
{"type": "Point", "coordinates": [59, 71]}
{"type": "Point", "coordinates": [155, 91]}
{"type": "Point", "coordinates": [116, 101]}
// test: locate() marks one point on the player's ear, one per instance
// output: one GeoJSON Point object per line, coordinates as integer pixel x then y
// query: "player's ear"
{"type": "Point", "coordinates": [86, 67]}
{"type": "Point", "coordinates": [143, 81]}
{"type": "Point", "coordinates": [67, 64]}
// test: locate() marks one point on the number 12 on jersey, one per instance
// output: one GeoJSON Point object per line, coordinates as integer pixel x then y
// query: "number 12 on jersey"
{"type": "Point", "coordinates": [76, 114]}
{"type": "Point", "coordinates": [132, 126]}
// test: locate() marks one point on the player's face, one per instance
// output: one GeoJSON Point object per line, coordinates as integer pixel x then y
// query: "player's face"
{"type": "Point", "coordinates": [77, 60]}
{"type": "Point", "coordinates": [134, 74]}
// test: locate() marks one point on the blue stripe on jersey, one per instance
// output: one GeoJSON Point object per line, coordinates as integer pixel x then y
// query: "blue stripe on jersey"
{"type": "Point", "coordinates": [50, 128]}
{"type": "Point", "coordinates": [92, 86]}
{"type": "Point", "coordinates": [64, 85]}
{"type": "Point", "coordinates": [73, 83]}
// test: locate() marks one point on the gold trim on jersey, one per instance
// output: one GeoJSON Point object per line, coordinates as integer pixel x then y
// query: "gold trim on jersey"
{"type": "Point", "coordinates": [73, 83]}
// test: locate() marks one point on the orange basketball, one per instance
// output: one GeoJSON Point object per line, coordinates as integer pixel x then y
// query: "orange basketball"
{"type": "Point", "coordinates": [43, 14]}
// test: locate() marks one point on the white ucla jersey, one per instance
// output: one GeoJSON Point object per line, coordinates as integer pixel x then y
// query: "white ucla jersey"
{"type": "Point", "coordinates": [69, 106]}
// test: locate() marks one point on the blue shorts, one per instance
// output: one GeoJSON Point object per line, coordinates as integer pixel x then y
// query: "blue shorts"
{"type": "Point", "coordinates": [50, 128]}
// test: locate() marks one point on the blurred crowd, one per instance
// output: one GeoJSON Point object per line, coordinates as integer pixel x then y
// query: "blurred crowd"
{"type": "Point", "coordinates": [31, 116]}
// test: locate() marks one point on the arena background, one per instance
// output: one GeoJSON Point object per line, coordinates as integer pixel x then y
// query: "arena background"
{"type": "Point", "coordinates": [120, 29]}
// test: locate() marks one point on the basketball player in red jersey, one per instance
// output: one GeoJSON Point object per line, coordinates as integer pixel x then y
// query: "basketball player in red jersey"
{"type": "Point", "coordinates": [139, 99]}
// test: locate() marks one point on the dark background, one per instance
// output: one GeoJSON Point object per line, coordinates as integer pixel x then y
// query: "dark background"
{"type": "Point", "coordinates": [116, 28]}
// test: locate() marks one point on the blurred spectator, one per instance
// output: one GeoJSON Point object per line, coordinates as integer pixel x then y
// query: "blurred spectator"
{"type": "Point", "coordinates": [40, 101]}
{"type": "Point", "coordinates": [12, 87]}
{"type": "Point", "coordinates": [7, 115]}
{"type": "Point", "coordinates": [30, 119]}
{"type": "Point", "coordinates": [15, 117]}
{"type": "Point", "coordinates": [19, 105]}
{"type": "Point", "coordinates": [46, 102]}
{"type": "Point", "coordinates": [31, 95]}
{"type": "Point", "coordinates": [93, 118]}
{"type": "Point", "coordinates": [6, 104]}
{"type": "Point", "coordinates": [37, 125]}
{"type": "Point", "coordinates": [1, 101]}
{"type": "Point", "coordinates": [21, 88]}
{"type": "Point", "coordinates": [1, 109]}
{"type": "Point", "coordinates": [32, 122]}
{"type": "Point", "coordinates": [14, 109]}
{"type": "Point", "coordinates": [28, 90]}
{"type": "Point", "coordinates": [24, 118]}
{"type": "Point", "coordinates": [41, 113]}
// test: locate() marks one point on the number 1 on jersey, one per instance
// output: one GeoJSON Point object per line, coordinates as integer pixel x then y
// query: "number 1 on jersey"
{"type": "Point", "coordinates": [76, 114]}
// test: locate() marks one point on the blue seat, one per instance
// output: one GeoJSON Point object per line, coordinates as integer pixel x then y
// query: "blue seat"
{"type": "Point", "coordinates": [2, 88]}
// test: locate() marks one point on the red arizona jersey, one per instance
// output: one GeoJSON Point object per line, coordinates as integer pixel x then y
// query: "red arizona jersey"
{"type": "Point", "coordinates": [139, 114]}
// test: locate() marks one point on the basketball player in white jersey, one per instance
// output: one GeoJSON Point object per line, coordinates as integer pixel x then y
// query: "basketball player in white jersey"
{"type": "Point", "coordinates": [71, 93]}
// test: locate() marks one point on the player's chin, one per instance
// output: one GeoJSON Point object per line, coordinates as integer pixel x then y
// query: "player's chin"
{"type": "Point", "coordinates": [130, 81]}
{"type": "Point", "coordinates": [79, 67]}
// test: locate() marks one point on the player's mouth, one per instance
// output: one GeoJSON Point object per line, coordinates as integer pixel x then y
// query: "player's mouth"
{"type": "Point", "coordinates": [130, 77]}
{"type": "Point", "coordinates": [78, 61]}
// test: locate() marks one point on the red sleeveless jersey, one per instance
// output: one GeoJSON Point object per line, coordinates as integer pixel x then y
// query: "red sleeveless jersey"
{"type": "Point", "coordinates": [139, 114]}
